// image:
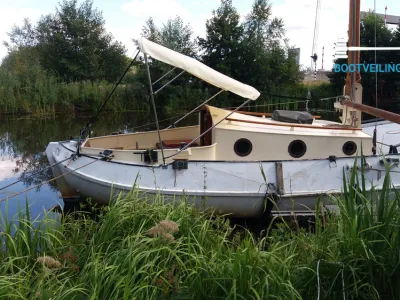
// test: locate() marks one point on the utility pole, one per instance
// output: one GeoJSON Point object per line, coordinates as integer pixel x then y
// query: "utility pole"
{"type": "Point", "coordinates": [385, 14]}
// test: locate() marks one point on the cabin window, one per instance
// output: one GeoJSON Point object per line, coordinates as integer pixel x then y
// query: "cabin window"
{"type": "Point", "coordinates": [297, 148]}
{"type": "Point", "coordinates": [349, 148]}
{"type": "Point", "coordinates": [243, 147]}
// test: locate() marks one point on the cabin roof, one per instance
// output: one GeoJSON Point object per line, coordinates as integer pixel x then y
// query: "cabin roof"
{"type": "Point", "coordinates": [244, 122]}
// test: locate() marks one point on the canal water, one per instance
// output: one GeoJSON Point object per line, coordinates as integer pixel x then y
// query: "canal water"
{"type": "Point", "coordinates": [23, 140]}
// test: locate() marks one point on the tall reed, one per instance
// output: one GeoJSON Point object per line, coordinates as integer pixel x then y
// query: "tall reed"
{"type": "Point", "coordinates": [36, 91]}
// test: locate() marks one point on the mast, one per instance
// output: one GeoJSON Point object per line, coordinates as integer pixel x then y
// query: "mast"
{"type": "Point", "coordinates": [351, 105]}
{"type": "Point", "coordinates": [354, 41]}
{"type": "Point", "coordinates": [353, 88]}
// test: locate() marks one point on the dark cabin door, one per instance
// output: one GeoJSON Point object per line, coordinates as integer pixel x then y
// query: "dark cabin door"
{"type": "Point", "coordinates": [206, 123]}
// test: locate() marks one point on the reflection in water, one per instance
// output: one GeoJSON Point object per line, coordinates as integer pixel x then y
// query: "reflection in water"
{"type": "Point", "coordinates": [22, 145]}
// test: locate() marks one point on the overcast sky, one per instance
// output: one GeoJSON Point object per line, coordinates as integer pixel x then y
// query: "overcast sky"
{"type": "Point", "coordinates": [125, 18]}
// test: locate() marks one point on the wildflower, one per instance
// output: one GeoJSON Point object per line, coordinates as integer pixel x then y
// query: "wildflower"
{"type": "Point", "coordinates": [155, 231]}
{"type": "Point", "coordinates": [49, 262]}
{"type": "Point", "coordinates": [167, 236]}
{"type": "Point", "coordinates": [165, 229]}
{"type": "Point", "coordinates": [169, 226]}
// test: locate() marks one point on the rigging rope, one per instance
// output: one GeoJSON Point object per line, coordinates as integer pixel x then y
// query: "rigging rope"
{"type": "Point", "coordinates": [314, 55]}
{"type": "Point", "coordinates": [88, 124]}
{"type": "Point", "coordinates": [271, 104]}
{"type": "Point", "coordinates": [315, 39]}
{"type": "Point", "coordinates": [376, 91]}
{"type": "Point", "coordinates": [259, 105]}
{"type": "Point", "coordinates": [152, 123]}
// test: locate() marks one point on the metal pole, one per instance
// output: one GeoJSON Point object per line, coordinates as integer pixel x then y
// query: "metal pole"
{"type": "Point", "coordinates": [184, 148]}
{"type": "Point", "coordinates": [154, 106]}
{"type": "Point", "coordinates": [193, 110]}
{"type": "Point", "coordinates": [169, 82]}
{"type": "Point", "coordinates": [163, 76]}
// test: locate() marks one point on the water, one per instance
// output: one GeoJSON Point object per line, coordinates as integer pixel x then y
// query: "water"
{"type": "Point", "coordinates": [23, 141]}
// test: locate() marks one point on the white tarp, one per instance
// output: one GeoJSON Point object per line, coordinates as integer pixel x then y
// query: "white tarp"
{"type": "Point", "coordinates": [197, 69]}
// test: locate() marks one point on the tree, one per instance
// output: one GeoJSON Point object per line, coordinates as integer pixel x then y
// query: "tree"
{"type": "Point", "coordinates": [263, 53]}
{"type": "Point", "coordinates": [24, 36]}
{"type": "Point", "coordinates": [73, 43]}
{"type": "Point", "coordinates": [150, 31]}
{"type": "Point", "coordinates": [224, 34]}
{"type": "Point", "coordinates": [175, 35]}
{"type": "Point", "coordinates": [259, 27]}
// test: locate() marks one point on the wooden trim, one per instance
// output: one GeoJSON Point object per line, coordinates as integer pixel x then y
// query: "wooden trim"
{"type": "Point", "coordinates": [262, 114]}
{"type": "Point", "coordinates": [294, 125]}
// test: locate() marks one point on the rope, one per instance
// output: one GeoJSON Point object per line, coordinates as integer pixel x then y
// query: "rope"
{"type": "Point", "coordinates": [259, 105]}
{"type": "Point", "coordinates": [329, 98]}
{"type": "Point", "coordinates": [264, 105]}
{"type": "Point", "coordinates": [108, 97]}
{"type": "Point", "coordinates": [376, 91]}
{"type": "Point", "coordinates": [215, 125]}
{"type": "Point", "coordinates": [148, 124]}
{"type": "Point", "coordinates": [34, 173]}
{"type": "Point", "coordinates": [314, 47]}
{"type": "Point", "coordinates": [286, 97]}
{"type": "Point", "coordinates": [316, 28]}
{"type": "Point", "coordinates": [47, 181]}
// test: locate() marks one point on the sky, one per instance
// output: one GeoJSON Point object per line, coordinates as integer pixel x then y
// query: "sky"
{"type": "Point", "coordinates": [125, 19]}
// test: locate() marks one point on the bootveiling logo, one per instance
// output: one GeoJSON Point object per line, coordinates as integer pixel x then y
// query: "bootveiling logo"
{"type": "Point", "coordinates": [341, 52]}
{"type": "Point", "coordinates": [372, 68]}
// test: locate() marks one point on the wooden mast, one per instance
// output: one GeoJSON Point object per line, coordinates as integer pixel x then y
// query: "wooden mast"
{"type": "Point", "coordinates": [353, 87]}
{"type": "Point", "coordinates": [354, 41]}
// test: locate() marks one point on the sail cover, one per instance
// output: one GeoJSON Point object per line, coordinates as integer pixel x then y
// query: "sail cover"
{"type": "Point", "coordinates": [197, 69]}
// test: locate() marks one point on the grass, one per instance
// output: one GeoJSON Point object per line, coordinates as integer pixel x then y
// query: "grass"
{"type": "Point", "coordinates": [135, 249]}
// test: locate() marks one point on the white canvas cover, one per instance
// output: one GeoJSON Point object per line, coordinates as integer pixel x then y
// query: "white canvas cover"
{"type": "Point", "coordinates": [197, 69]}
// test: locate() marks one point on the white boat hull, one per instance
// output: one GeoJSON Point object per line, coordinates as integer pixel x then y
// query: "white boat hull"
{"type": "Point", "coordinates": [228, 187]}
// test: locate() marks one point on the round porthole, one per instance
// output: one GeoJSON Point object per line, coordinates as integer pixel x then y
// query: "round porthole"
{"type": "Point", "coordinates": [349, 148]}
{"type": "Point", "coordinates": [243, 147]}
{"type": "Point", "coordinates": [297, 148]}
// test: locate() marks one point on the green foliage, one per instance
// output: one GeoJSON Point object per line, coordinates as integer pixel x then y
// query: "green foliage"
{"type": "Point", "coordinates": [140, 250]}
{"type": "Point", "coordinates": [185, 91]}
{"type": "Point", "coordinates": [250, 52]}
{"type": "Point", "coordinates": [65, 62]}
{"type": "Point", "coordinates": [25, 87]}
{"type": "Point", "coordinates": [56, 64]}
{"type": "Point", "coordinates": [223, 35]}
{"type": "Point", "coordinates": [72, 43]}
